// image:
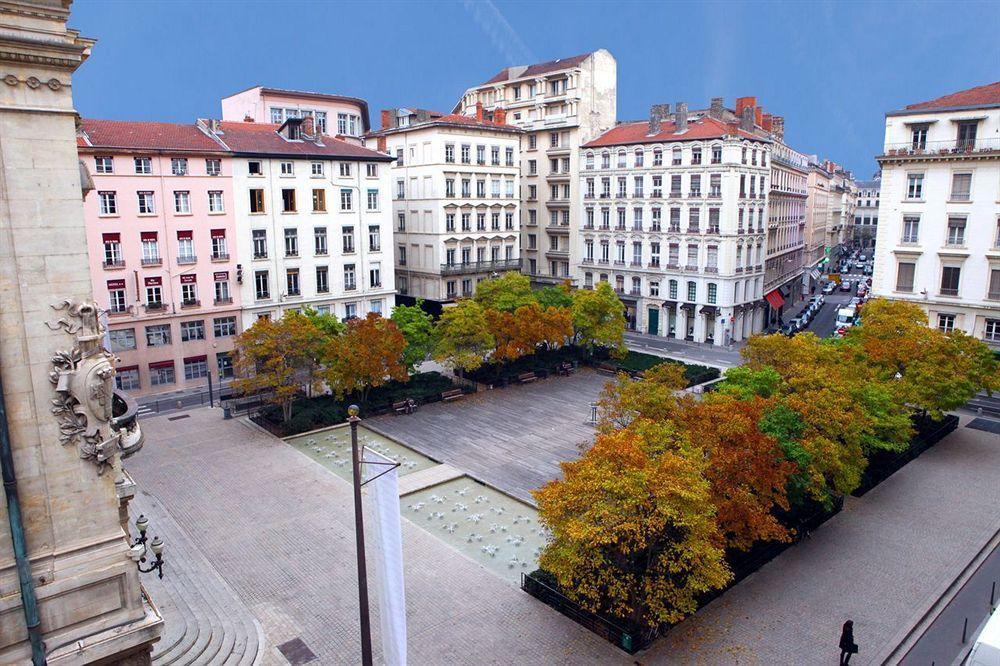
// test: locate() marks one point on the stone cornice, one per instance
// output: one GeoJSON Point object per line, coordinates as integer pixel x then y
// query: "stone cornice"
{"type": "Point", "coordinates": [68, 55]}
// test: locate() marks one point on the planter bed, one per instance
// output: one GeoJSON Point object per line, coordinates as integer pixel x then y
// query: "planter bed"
{"type": "Point", "coordinates": [883, 464]}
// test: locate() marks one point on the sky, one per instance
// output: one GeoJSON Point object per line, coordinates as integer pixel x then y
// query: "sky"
{"type": "Point", "coordinates": [832, 69]}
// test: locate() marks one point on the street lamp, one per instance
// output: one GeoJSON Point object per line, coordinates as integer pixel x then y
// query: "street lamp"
{"type": "Point", "coordinates": [359, 536]}
{"type": "Point", "coordinates": [138, 550]}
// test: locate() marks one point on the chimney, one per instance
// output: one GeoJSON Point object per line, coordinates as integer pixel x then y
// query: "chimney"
{"type": "Point", "coordinates": [681, 117]}
{"type": "Point", "coordinates": [657, 114]}
{"type": "Point", "coordinates": [778, 127]}
{"type": "Point", "coordinates": [715, 111]}
{"type": "Point", "coordinates": [500, 116]}
{"type": "Point", "coordinates": [386, 118]}
{"type": "Point", "coordinates": [744, 102]}
{"type": "Point", "coordinates": [758, 115]}
{"type": "Point", "coordinates": [479, 111]}
{"type": "Point", "coordinates": [746, 119]}
{"type": "Point", "coordinates": [308, 127]}
{"type": "Point", "coordinates": [765, 122]}
{"type": "Point", "coordinates": [381, 143]}
{"type": "Point", "coordinates": [248, 118]}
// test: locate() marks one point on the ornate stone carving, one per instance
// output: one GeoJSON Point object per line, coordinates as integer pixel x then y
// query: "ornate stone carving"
{"type": "Point", "coordinates": [83, 380]}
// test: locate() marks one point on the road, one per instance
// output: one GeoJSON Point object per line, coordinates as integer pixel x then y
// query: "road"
{"type": "Point", "coordinates": [176, 400]}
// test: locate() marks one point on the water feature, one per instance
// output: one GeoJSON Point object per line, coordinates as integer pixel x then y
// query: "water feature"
{"type": "Point", "coordinates": [494, 529]}
{"type": "Point", "coordinates": [331, 447]}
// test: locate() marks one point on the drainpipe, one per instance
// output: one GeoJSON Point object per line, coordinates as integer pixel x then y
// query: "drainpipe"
{"type": "Point", "coordinates": [28, 600]}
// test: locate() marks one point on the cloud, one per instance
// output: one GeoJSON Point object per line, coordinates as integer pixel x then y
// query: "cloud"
{"type": "Point", "coordinates": [504, 38]}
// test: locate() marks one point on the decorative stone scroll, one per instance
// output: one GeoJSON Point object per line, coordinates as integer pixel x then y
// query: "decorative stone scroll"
{"type": "Point", "coordinates": [83, 381]}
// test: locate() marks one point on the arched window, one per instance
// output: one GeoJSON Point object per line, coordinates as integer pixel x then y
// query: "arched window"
{"type": "Point", "coordinates": [621, 159]}
{"type": "Point", "coordinates": [590, 160]}
{"type": "Point", "coordinates": [717, 154]}
{"type": "Point", "coordinates": [605, 160]}
{"type": "Point", "coordinates": [639, 157]}
{"type": "Point", "coordinates": [677, 155]}
{"type": "Point", "coordinates": [657, 157]}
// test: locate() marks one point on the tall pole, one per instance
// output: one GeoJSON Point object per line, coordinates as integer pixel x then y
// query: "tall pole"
{"type": "Point", "coordinates": [359, 536]}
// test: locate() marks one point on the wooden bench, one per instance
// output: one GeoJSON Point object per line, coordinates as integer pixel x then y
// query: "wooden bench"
{"type": "Point", "coordinates": [401, 407]}
{"type": "Point", "coordinates": [526, 377]}
{"type": "Point", "coordinates": [453, 394]}
{"type": "Point", "coordinates": [606, 369]}
{"type": "Point", "coordinates": [565, 369]}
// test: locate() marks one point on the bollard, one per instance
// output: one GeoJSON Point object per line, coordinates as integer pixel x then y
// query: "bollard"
{"type": "Point", "coordinates": [965, 628]}
{"type": "Point", "coordinates": [993, 591]}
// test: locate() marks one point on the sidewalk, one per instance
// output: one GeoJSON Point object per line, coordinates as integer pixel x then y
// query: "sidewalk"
{"type": "Point", "coordinates": [682, 350]}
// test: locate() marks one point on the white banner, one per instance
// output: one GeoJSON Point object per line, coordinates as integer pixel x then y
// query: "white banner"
{"type": "Point", "coordinates": [388, 554]}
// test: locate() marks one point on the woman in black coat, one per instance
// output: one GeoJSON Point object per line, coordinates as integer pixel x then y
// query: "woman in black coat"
{"type": "Point", "coordinates": [847, 644]}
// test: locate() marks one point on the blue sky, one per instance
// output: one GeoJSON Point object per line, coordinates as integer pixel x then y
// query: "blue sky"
{"type": "Point", "coordinates": [832, 69]}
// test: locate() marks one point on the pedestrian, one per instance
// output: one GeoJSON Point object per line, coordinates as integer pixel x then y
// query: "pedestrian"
{"type": "Point", "coordinates": [847, 644]}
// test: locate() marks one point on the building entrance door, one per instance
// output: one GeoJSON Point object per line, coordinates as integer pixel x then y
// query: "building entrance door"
{"type": "Point", "coordinates": [654, 321]}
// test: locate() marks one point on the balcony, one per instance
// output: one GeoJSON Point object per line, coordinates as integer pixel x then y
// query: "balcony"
{"type": "Point", "coordinates": [114, 263]}
{"type": "Point", "coordinates": [187, 259]}
{"type": "Point", "coordinates": [190, 303]}
{"type": "Point", "coordinates": [125, 422]}
{"type": "Point", "coordinates": [154, 307]}
{"type": "Point", "coordinates": [152, 261]}
{"type": "Point", "coordinates": [481, 267]}
{"type": "Point", "coordinates": [220, 256]}
{"type": "Point", "coordinates": [228, 300]}
{"type": "Point", "coordinates": [941, 149]}
{"type": "Point", "coordinates": [558, 203]}
{"type": "Point", "coordinates": [558, 228]}
{"type": "Point", "coordinates": [119, 310]}
{"type": "Point", "coordinates": [675, 194]}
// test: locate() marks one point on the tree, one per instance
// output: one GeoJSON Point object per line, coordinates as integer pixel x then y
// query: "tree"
{"type": "Point", "coordinates": [633, 532]}
{"type": "Point", "coordinates": [560, 296]}
{"type": "Point", "coordinates": [511, 340]}
{"type": "Point", "coordinates": [462, 337]}
{"type": "Point", "coordinates": [599, 318]}
{"type": "Point", "coordinates": [417, 328]}
{"type": "Point", "coordinates": [279, 358]}
{"type": "Point", "coordinates": [369, 354]}
{"type": "Point", "coordinates": [554, 325]}
{"type": "Point", "coordinates": [505, 293]}
{"type": "Point", "coordinates": [655, 397]}
{"type": "Point", "coordinates": [327, 323]}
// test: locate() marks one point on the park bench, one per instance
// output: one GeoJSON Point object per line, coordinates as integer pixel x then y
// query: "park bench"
{"type": "Point", "coordinates": [407, 406]}
{"type": "Point", "coordinates": [565, 368]}
{"type": "Point", "coordinates": [526, 377]}
{"type": "Point", "coordinates": [453, 394]}
{"type": "Point", "coordinates": [606, 368]}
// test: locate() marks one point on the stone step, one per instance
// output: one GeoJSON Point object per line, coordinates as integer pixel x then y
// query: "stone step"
{"type": "Point", "coordinates": [426, 478]}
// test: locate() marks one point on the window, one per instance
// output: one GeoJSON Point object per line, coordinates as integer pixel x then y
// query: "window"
{"type": "Point", "coordinates": [224, 327]}
{"type": "Point", "coordinates": [104, 164]}
{"type": "Point", "coordinates": [956, 231]}
{"type": "Point", "coordinates": [946, 323]}
{"type": "Point", "coordinates": [950, 276]}
{"type": "Point", "coordinates": [319, 240]}
{"type": "Point", "coordinates": [713, 292]}
{"type": "Point", "coordinates": [112, 250]}
{"type": "Point", "coordinates": [182, 203]}
{"type": "Point", "coordinates": [992, 331]}
{"type": "Point", "coordinates": [696, 155]}
{"type": "Point", "coordinates": [994, 289]}
{"type": "Point", "coordinates": [672, 289]}
{"type": "Point", "coordinates": [127, 379]}
{"type": "Point", "coordinates": [262, 285]}
{"type": "Point", "coordinates": [196, 368]}
{"type": "Point", "coordinates": [179, 166]}
{"type": "Point", "coordinates": [192, 330]}
{"type": "Point", "coordinates": [374, 238]}
{"type": "Point", "coordinates": [220, 250]}
{"type": "Point", "coordinates": [961, 186]}
{"type": "Point", "coordinates": [509, 154]}
{"type": "Point", "coordinates": [213, 167]}
{"type": "Point", "coordinates": [716, 154]}
{"type": "Point", "coordinates": [375, 274]}
{"type": "Point", "coordinates": [345, 169]}
{"type": "Point", "coordinates": [254, 168]}
{"type": "Point", "coordinates": [918, 137]}
{"type": "Point", "coordinates": [185, 247]}
{"type": "Point", "coordinates": [215, 204]}
{"type": "Point", "coordinates": [287, 168]}
{"type": "Point", "coordinates": [317, 169]}
{"type": "Point", "coordinates": [915, 186]}
{"type": "Point", "coordinates": [288, 201]}
{"type": "Point", "coordinates": [371, 170]}
{"type": "Point", "coordinates": [372, 199]}
{"type": "Point", "coordinates": [259, 243]}
{"type": "Point", "coordinates": [291, 243]}
{"type": "Point", "coordinates": [158, 335]}
{"type": "Point", "coordinates": [692, 291]}
{"type": "Point", "coordinates": [480, 154]}
{"type": "Point", "coordinates": [143, 165]}
{"type": "Point", "coordinates": [319, 201]}
{"type": "Point", "coordinates": [109, 203]}
{"type": "Point", "coordinates": [222, 288]}
{"type": "Point", "coordinates": [345, 200]}
{"type": "Point", "coordinates": [449, 153]}
{"type": "Point", "coordinates": [911, 229]}
{"type": "Point", "coordinates": [350, 277]}
{"type": "Point", "coordinates": [967, 134]}
{"type": "Point", "coordinates": [347, 235]}
{"type": "Point", "coordinates": [189, 290]}
{"type": "Point", "coordinates": [161, 373]}
{"type": "Point", "coordinates": [292, 282]}
{"type": "Point", "coordinates": [347, 124]}
{"type": "Point", "coordinates": [256, 201]}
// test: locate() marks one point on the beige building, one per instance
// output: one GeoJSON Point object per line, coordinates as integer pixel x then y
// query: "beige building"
{"type": "Point", "coordinates": [818, 185]}
{"type": "Point", "coordinates": [455, 200]}
{"type": "Point", "coordinates": [69, 590]}
{"type": "Point", "coordinates": [560, 105]}
{"type": "Point", "coordinates": [786, 226]}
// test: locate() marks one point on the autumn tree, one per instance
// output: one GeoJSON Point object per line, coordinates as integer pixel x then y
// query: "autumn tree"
{"type": "Point", "coordinates": [633, 530]}
{"type": "Point", "coordinates": [462, 337]}
{"type": "Point", "coordinates": [417, 328]}
{"type": "Point", "coordinates": [655, 397]}
{"type": "Point", "coordinates": [326, 322]}
{"type": "Point", "coordinates": [279, 358]}
{"type": "Point", "coordinates": [506, 293]}
{"type": "Point", "coordinates": [553, 325]}
{"type": "Point", "coordinates": [368, 355]}
{"type": "Point", "coordinates": [599, 318]}
{"type": "Point", "coordinates": [511, 339]}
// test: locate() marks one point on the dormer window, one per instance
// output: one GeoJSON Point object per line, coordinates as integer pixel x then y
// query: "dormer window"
{"type": "Point", "coordinates": [292, 129]}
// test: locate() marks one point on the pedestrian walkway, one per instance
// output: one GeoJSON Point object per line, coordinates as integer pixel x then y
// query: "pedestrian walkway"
{"type": "Point", "coordinates": [682, 350]}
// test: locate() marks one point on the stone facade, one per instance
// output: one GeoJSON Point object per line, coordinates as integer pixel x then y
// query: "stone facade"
{"type": "Point", "coordinates": [90, 601]}
{"type": "Point", "coordinates": [863, 231]}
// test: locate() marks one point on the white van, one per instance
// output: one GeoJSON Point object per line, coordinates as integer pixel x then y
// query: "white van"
{"type": "Point", "coordinates": [986, 651]}
{"type": "Point", "coordinates": [847, 316]}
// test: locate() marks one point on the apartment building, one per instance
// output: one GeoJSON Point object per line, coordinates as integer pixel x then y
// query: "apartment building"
{"type": "Point", "coordinates": [938, 238]}
{"type": "Point", "coordinates": [161, 236]}
{"type": "Point", "coordinates": [673, 216]}
{"type": "Point", "coordinates": [455, 201]}
{"type": "Point", "coordinates": [786, 240]}
{"type": "Point", "coordinates": [332, 115]}
{"type": "Point", "coordinates": [843, 195]}
{"type": "Point", "coordinates": [313, 216]}
{"type": "Point", "coordinates": [863, 231]}
{"type": "Point", "coordinates": [818, 183]}
{"type": "Point", "coordinates": [560, 105]}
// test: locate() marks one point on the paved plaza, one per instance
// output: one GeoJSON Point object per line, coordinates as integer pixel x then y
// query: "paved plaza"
{"type": "Point", "coordinates": [277, 529]}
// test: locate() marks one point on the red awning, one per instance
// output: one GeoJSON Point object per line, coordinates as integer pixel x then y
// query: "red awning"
{"type": "Point", "coordinates": [218, 233]}
{"type": "Point", "coordinates": [111, 238]}
{"type": "Point", "coordinates": [148, 235]}
{"type": "Point", "coordinates": [161, 364]}
{"type": "Point", "coordinates": [775, 299]}
{"type": "Point", "coordinates": [185, 235]}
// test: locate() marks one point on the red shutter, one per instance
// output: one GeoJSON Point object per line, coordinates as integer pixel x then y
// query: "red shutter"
{"type": "Point", "coordinates": [185, 235]}
{"type": "Point", "coordinates": [112, 238]}
{"type": "Point", "coordinates": [190, 278]}
{"type": "Point", "coordinates": [147, 235]}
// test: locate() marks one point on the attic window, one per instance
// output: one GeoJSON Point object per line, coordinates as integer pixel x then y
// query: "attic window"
{"type": "Point", "coordinates": [292, 129]}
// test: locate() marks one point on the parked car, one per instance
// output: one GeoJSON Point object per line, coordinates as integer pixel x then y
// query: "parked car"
{"type": "Point", "coordinates": [818, 300]}
{"type": "Point", "coordinates": [862, 257]}
{"type": "Point", "coordinates": [845, 285]}
{"type": "Point", "coordinates": [796, 323]}
{"type": "Point", "coordinates": [829, 287]}
{"type": "Point", "coordinates": [789, 329]}
{"type": "Point", "coordinates": [868, 269]}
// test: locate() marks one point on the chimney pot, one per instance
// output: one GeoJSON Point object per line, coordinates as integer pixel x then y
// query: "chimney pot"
{"type": "Point", "coordinates": [500, 116]}
{"type": "Point", "coordinates": [681, 117]}
{"type": "Point", "coordinates": [715, 111]}
{"type": "Point", "coordinates": [746, 119]}
{"type": "Point", "coordinates": [758, 114]}
{"type": "Point", "coordinates": [381, 144]}
{"type": "Point", "coordinates": [479, 111]}
{"type": "Point", "coordinates": [386, 118]}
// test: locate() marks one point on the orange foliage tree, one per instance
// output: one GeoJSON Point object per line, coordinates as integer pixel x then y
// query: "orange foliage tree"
{"type": "Point", "coordinates": [369, 354]}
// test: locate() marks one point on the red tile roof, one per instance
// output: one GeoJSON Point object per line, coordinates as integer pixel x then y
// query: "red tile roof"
{"type": "Point", "coordinates": [987, 95]}
{"type": "Point", "coordinates": [638, 132]}
{"type": "Point", "coordinates": [539, 68]}
{"type": "Point", "coordinates": [141, 135]}
{"type": "Point", "coordinates": [263, 139]}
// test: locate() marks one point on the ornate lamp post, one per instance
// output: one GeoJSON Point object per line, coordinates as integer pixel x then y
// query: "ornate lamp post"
{"type": "Point", "coordinates": [359, 536]}
{"type": "Point", "coordinates": [139, 550]}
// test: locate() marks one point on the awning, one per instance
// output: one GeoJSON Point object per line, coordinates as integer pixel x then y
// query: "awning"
{"type": "Point", "coordinates": [815, 273]}
{"type": "Point", "coordinates": [775, 299]}
{"type": "Point", "coordinates": [687, 306]}
{"type": "Point", "coordinates": [221, 275]}
{"type": "Point", "coordinates": [218, 233]}
{"type": "Point", "coordinates": [709, 310]}
{"type": "Point", "coordinates": [161, 364]}
{"type": "Point", "coordinates": [669, 304]}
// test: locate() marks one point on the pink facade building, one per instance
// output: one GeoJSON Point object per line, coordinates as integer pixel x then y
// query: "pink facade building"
{"type": "Point", "coordinates": [333, 115]}
{"type": "Point", "coordinates": [161, 236]}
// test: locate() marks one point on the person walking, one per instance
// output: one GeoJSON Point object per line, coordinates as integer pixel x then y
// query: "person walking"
{"type": "Point", "coordinates": [847, 644]}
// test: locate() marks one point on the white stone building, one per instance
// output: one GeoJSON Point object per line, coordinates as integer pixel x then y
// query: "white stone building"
{"type": "Point", "coordinates": [560, 105]}
{"type": "Point", "coordinates": [786, 223]}
{"type": "Point", "coordinates": [313, 220]}
{"type": "Point", "coordinates": [456, 211]}
{"type": "Point", "coordinates": [865, 225]}
{"type": "Point", "coordinates": [938, 241]}
{"type": "Point", "coordinates": [673, 216]}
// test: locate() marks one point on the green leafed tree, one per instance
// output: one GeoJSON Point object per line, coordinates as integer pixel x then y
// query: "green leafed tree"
{"type": "Point", "coordinates": [417, 328]}
{"type": "Point", "coordinates": [506, 293]}
{"type": "Point", "coordinates": [462, 338]}
{"type": "Point", "coordinates": [599, 318]}
{"type": "Point", "coordinates": [325, 322]}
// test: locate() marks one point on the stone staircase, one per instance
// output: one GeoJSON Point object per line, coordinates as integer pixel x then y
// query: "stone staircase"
{"type": "Point", "coordinates": [205, 622]}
